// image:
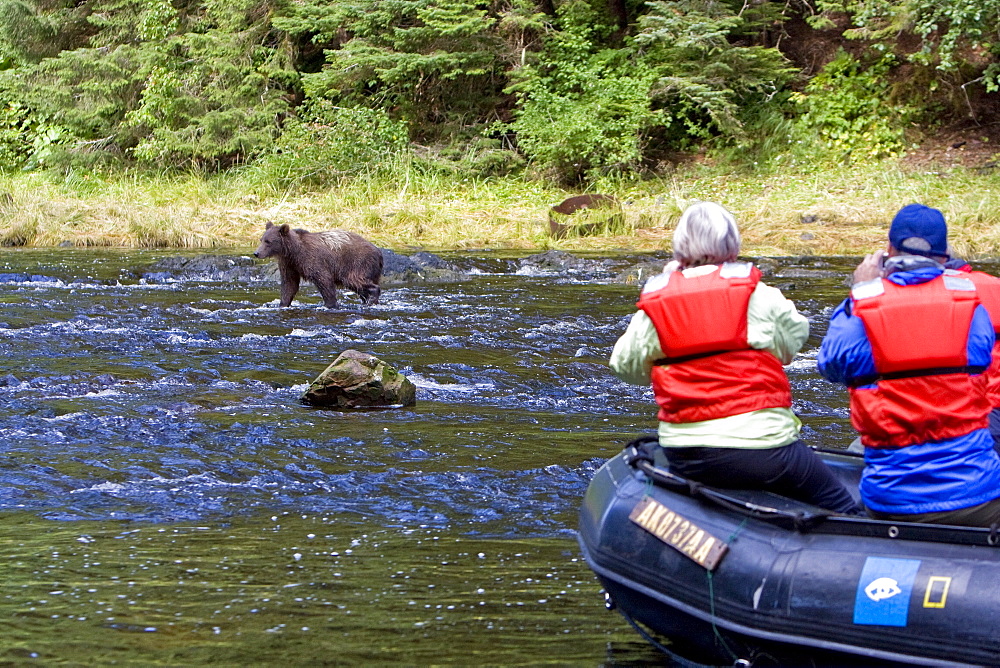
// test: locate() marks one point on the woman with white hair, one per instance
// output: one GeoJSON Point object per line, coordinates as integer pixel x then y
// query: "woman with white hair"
{"type": "Point", "coordinates": [713, 339]}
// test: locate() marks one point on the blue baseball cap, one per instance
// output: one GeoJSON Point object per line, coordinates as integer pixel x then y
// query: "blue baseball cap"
{"type": "Point", "coordinates": [919, 230]}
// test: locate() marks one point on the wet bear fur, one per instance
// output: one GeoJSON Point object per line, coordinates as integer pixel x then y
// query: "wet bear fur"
{"type": "Point", "coordinates": [328, 260]}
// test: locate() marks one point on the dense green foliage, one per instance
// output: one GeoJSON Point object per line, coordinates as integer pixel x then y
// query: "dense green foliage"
{"type": "Point", "coordinates": [327, 144]}
{"type": "Point", "coordinates": [846, 105]}
{"type": "Point", "coordinates": [315, 91]}
{"type": "Point", "coordinates": [428, 62]}
{"type": "Point", "coordinates": [583, 107]}
{"type": "Point", "coordinates": [953, 35]}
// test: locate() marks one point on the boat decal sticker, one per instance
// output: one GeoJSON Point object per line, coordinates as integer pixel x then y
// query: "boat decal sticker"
{"type": "Point", "coordinates": [936, 594]}
{"type": "Point", "coordinates": [679, 532]}
{"type": "Point", "coordinates": [884, 588]}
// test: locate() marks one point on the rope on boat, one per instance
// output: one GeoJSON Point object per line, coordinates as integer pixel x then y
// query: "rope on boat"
{"type": "Point", "coordinates": [711, 596]}
{"type": "Point", "coordinates": [711, 610]}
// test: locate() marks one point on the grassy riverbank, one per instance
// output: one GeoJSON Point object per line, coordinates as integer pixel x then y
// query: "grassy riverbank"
{"type": "Point", "coordinates": [824, 211]}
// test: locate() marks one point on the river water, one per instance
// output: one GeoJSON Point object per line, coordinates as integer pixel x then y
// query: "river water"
{"type": "Point", "coordinates": [166, 499]}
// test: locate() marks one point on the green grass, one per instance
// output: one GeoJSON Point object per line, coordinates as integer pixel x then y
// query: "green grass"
{"type": "Point", "coordinates": [805, 209]}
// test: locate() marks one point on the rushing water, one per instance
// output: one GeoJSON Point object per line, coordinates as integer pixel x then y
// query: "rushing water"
{"type": "Point", "coordinates": [166, 498]}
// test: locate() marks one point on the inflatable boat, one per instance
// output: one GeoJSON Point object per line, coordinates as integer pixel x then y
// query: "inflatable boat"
{"type": "Point", "coordinates": [723, 577]}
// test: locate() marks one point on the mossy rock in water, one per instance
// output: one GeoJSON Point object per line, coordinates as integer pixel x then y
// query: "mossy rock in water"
{"type": "Point", "coordinates": [359, 380]}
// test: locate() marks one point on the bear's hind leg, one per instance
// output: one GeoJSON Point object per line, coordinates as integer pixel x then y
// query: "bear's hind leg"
{"type": "Point", "coordinates": [329, 293]}
{"type": "Point", "coordinates": [369, 294]}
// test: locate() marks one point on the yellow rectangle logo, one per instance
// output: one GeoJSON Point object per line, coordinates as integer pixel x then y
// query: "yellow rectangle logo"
{"type": "Point", "coordinates": [936, 594]}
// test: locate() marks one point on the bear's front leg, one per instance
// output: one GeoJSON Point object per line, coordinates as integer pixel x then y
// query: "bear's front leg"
{"type": "Point", "coordinates": [289, 288]}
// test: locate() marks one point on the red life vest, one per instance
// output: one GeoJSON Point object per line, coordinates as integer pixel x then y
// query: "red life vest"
{"type": "Point", "coordinates": [709, 370]}
{"type": "Point", "coordinates": [988, 288]}
{"type": "Point", "coordinates": [924, 390]}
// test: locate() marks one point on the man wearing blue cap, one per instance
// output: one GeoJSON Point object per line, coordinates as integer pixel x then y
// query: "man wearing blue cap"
{"type": "Point", "coordinates": [911, 344]}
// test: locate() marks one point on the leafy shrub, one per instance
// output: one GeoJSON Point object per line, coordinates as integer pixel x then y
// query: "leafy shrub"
{"type": "Point", "coordinates": [474, 156]}
{"type": "Point", "coordinates": [952, 47]}
{"type": "Point", "coordinates": [15, 135]}
{"type": "Point", "coordinates": [327, 144]}
{"type": "Point", "coordinates": [952, 35]}
{"type": "Point", "coordinates": [578, 135]}
{"type": "Point", "coordinates": [847, 105]}
{"type": "Point", "coordinates": [583, 109]}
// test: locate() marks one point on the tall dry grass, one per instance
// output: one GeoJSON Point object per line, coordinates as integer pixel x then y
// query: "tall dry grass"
{"type": "Point", "coordinates": [828, 210]}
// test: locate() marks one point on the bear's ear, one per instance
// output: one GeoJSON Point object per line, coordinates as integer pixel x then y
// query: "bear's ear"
{"type": "Point", "coordinates": [284, 229]}
{"type": "Point", "coordinates": [269, 225]}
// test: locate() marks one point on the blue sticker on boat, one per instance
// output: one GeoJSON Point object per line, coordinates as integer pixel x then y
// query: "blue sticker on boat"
{"type": "Point", "coordinates": [884, 588]}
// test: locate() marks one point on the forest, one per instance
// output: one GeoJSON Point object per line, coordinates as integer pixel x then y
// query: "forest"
{"type": "Point", "coordinates": [307, 95]}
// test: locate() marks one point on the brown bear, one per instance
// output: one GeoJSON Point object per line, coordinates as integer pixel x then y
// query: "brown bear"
{"type": "Point", "coordinates": [327, 259]}
{"type": "Point", "coordinates": [607, 215]}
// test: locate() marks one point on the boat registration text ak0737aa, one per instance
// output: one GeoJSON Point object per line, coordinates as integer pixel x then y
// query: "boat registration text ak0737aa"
{"type": "Point", "coordinates": [678, 532]}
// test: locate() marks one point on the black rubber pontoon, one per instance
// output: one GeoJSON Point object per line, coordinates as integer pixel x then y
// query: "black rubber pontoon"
{"type": "Point", "coordinates": [735, 576]}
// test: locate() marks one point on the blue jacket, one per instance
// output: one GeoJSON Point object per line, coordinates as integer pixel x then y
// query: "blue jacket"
{"type": "Point", "coordinates": [926, 477]}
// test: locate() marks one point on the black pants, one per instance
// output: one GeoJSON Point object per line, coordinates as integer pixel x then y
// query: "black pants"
{"type": "Point", "coordinates": [792, 470]}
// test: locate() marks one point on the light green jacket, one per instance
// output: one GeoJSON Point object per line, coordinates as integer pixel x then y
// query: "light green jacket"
{"type": "Point", "coordinates": [773, 324]}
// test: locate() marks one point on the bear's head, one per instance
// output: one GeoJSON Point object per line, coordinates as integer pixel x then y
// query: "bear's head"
{"type": "Point", "coordinates": [273, 241]}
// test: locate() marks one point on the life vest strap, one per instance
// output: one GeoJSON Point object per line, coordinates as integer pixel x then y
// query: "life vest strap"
{"type": "Point", "coordinates": [664, 361]}
{"type": "Point", "coordinates": [914, 373]}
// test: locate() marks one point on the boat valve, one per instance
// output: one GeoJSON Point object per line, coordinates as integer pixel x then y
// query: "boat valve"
{"type": "Point", "coordinates": [609, 602]}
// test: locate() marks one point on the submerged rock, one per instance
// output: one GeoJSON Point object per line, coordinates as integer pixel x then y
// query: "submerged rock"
{"type": "Point", "coordinates": [639, 273]}
{"type": "Point", "coordinates": [236, 268]}
{"type": "Point", "coordinates": [360, 380]}
{"type": "Point", "coordinates": [421, 267]}
{"type": "Point", "coordinates": [561, 262]}
{"type": "Point", "coordinates": [785, 267]}
{"type": "Point", "coordinates": [805, 272]}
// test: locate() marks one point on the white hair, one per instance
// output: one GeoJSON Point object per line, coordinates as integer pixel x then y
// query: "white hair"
{"type": "Point", "coordinates": [336, 239]}
{"type": "Point", "coordinates": [706, 234]}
